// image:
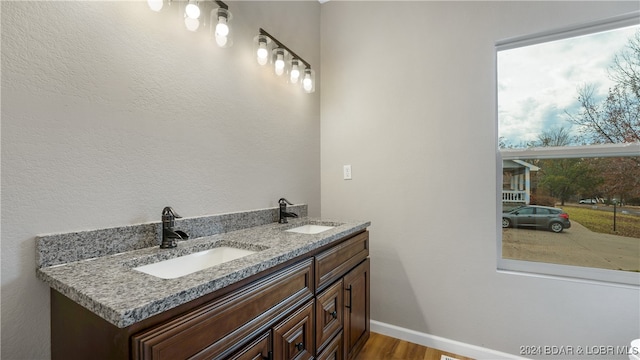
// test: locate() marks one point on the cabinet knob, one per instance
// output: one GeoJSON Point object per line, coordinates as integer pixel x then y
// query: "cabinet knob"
{"type": "Point", "coordinates": [334, 314]}
{"type": "Point", "coordinates": [300, 346]}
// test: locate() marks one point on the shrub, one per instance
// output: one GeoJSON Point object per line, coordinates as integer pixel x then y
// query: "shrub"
{"type": "Point", "coordinates": [543, 200]}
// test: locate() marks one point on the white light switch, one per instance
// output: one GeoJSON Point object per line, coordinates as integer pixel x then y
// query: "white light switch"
{"type": "Point", "coordinates": [347, 172]}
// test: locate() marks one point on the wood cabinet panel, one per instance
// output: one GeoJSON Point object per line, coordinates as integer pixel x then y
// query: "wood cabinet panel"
{"type": "Point", "coordinates": [259, 349]}
{"type": "Point", "coordinates": [333, 263]}
{"type": "Point", "coordinates": [334, 350]}
{"type": "Point", "coordinates": [329, 311]}
{"type": "Point", "coordinates": [293, 337]}
{"type": "Point", "coordinates": [357, 308]}
{"type": "Point", "coordinates": [207, 331]}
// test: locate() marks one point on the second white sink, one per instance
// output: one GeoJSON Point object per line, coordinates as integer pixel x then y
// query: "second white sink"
{"type": "Point", "coordinates": [310, 229]}
{"type": "Point", "coordinates": [187, 264]}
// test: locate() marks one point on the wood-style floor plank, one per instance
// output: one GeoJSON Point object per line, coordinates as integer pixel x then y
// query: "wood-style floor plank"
{"type": "Point", "coordinates": [380, 347]}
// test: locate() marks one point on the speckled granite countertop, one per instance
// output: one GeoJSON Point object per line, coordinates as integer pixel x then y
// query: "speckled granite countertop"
{"type": "Point", "coordinates": [109, 287]}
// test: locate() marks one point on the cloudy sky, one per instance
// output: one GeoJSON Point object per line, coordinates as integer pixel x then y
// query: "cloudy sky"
{"type": "Point", "coordinates": [537, 83]}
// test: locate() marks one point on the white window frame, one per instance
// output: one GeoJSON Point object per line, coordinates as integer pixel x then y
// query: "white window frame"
{"type": "Point", "coordinates": [549, 270]}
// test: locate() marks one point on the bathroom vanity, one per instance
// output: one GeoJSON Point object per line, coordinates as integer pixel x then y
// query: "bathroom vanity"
{"type": "Point", "coordinates": [298, 296]}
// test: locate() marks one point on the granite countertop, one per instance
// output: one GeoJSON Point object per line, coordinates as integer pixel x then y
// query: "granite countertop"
{"type": "Point", "coordinates": [109, 287]}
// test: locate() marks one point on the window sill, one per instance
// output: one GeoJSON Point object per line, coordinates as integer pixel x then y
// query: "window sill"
{"type": "Point", "coordinates": [604, 277]}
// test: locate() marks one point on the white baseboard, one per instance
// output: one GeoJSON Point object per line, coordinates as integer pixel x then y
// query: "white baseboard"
{"type": "Point", "coordinates": [440, 343]}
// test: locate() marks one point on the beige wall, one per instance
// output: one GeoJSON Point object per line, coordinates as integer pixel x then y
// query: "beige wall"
{"type": "Point", "coordinates": [408, 100]}
{"type": "Point", "coordinates": [111, 112]}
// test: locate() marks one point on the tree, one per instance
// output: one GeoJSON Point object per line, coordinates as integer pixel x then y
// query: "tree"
{"type": "Point", "coordinates": [555, 137]}
{"type": "Point", "coordinates": [620, 177]}
{"type": "Point", "coordinates": [617, 118]}
{"type": "Point", "coordinates": [563, 178]}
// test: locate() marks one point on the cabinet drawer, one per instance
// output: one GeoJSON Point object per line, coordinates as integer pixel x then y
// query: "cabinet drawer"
{"type": "Point", "coordinates": [333, 263]}
{"type": "Point", "coordinates": [210, 330]}
{"type": "Point", "coordinates": [329, 312]}
{"type": "Point", "coordinates": [293, 337]}
{"type": "Point", "coordinates": [334, 350]}
{"type": "Point", "coordinates": [259, 349]}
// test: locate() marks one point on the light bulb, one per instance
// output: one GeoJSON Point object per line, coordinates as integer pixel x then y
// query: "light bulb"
{"type": "Point", "coordinates": [191, 24]}
{"type": "Point", "coordinates": [307, 81]}
{"type": "Point", "coordinates": [222, 29]}
{"type": "Point", "coordinates": [294, 75]}
{"type": "Point", "coordinates": [263, 53]}
{"type": "Point", "coordinates": [279, 64]}
{"type": "Point", "coordinates": [307, 84]}
{"type": "Point", "coordinates": [192, 10]}
{"type": "Point", "coordinates": [155, 5]}
{"type": "Point", "coordinates": [221, 40]}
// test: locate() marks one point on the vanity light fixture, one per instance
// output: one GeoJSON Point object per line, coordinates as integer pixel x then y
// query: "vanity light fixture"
{"type": "Point", "coordinates": [192, 10]}
{"type": "Point", "coordinates": [262, 44]}
{"type": "Point", "coordinates": [279, 60]}
{"type": "Point", "coordinates": [309, 81]}
{"type": "Point", "coordinates": [221, 17]}
{"type": "Point", "coordinates": [294, 73]}
{"type": "Point", "coordinates": [284, 61]}
{"type": "Point", "coordinates": [192, 15]}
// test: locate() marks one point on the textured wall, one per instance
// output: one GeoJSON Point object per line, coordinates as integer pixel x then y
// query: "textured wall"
{"type": "Point", "coordinates": [409, 101]}
{"type": "Point", "coordinates": [111, 111]}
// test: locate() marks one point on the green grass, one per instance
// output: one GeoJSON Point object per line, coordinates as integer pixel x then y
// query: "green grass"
{"type": "Point", "coordinates": [602, 221]}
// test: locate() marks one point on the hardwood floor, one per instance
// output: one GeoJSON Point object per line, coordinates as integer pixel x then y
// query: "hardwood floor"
{"type": "Point", "coordinates": [380, 347]}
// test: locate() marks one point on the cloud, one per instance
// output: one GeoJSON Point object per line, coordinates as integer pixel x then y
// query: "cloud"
{"type": "Point", "coordinates": [537, 83]}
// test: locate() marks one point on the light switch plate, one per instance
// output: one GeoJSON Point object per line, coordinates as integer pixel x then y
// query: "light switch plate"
{"type": "Point", "coordinates": [347, 172]}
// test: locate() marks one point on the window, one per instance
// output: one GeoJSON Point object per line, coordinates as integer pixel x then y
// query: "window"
{"type": "Point", "coordinates": [569, 152]}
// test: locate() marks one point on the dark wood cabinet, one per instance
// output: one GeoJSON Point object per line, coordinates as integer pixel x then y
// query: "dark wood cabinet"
{"type": "Point", "coordinates": [357, 308]}
{"type": "Point", "coordinates": [342, 274]}
{"type": "Point", "coordinates": [334, 350]}
{"type": "Point", "coordinates": [207, 331]}
{"type": "Point", "coordinates": [293, 337]}
{"type": "Point", "coordinates": [259, 349]}
{"type": "Point", "coordinates": [314, 306]}
{"type": "Point", "coordinates": [336, 261]}
{"type": "Point", "coordinates": [329, 314]}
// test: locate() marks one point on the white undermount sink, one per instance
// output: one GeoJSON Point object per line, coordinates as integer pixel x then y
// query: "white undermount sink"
{"type": "Point", "coordinates": [310, 229]}
{"type": "Point", "coordinates": [187, 264]}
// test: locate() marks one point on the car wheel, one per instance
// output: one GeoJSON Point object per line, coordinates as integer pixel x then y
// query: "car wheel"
{"type": "Point", "coordinates": [506, 223]}
{"type": "Point", "coordinates": [556, 227]}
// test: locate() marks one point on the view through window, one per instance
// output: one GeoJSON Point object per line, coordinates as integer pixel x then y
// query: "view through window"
{"type": "Point", "coordinates": [569, 137]}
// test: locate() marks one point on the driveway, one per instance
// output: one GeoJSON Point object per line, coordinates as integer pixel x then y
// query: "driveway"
{"type": "Point", "coordinates": [575, 246]}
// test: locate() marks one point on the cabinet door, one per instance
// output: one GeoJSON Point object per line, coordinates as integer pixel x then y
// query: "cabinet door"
{"type": "Point", "coordinates": [293, 337]}
{"type": "Point", "coordinates": [329, 310]}
{"type": "Point", "coordinates": [334, 350]}
{"type": "Point", "coordinates": [259, 349]}
{"type": "Point", "coordinates": [356, 312]}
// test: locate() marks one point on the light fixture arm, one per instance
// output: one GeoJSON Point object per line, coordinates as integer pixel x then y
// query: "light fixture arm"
{"type": "Point", "coordinates": [262, 32]}
{"type": "Point", "coordinates": [222, 5]}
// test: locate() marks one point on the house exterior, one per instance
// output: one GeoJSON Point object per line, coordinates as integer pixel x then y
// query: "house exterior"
{"type": "Point", "coordinates": [516, 181]}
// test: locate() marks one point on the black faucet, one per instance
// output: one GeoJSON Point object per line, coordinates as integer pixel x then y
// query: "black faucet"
{"type": "Point", "coordinates": [169, 235]}
{"type": "Point", "coordinates": [283, 211]}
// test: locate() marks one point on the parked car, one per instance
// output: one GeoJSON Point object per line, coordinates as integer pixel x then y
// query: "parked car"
{"type": "Point", "coordinates": [588, 201]}
{"type": "Point", "coordinates": [537, 217]}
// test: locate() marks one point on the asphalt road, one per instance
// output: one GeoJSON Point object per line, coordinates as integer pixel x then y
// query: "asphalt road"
{"type": "Point", "coordinates": [575, 246]}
